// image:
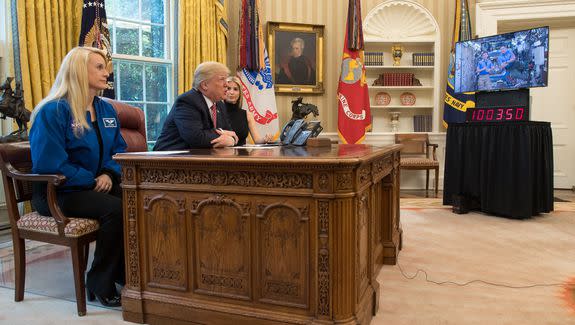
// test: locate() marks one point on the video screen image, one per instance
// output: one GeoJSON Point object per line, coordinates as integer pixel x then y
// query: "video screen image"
{"type": "Point", "coordinates": [506, 61]}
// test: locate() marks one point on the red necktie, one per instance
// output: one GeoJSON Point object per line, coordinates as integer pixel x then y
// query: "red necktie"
{"type": "Point", "coordinates": [214, 114]}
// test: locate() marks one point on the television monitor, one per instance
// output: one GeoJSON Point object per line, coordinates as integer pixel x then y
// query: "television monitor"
{"type": "Point", "coordinates": [506, 61]}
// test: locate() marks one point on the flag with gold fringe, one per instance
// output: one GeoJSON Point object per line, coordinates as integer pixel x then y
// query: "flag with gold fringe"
{"type": "Point", "coordinates": [255, 71]}
{"type": "Point", "coordinates": [354, 111]}
{"type": "Point", "coordinates": [95, 33]}
{"type": "Point", "coordinates": [456, 105]}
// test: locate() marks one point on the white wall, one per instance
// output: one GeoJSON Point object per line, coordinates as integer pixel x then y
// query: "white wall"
{"type": "Point", "coordinates": [490, 13]}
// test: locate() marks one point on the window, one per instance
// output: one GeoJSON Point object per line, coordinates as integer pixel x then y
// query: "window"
{"type": "Point", "coordinates": [140, 33]}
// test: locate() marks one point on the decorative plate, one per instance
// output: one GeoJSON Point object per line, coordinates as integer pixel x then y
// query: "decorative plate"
{"type": "Point", "coordinates": [407, 99]}
{"type": "Point", "coordinates": [382, 99]}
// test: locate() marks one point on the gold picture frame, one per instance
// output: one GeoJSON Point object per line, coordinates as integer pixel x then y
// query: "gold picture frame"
{"type": "Point", "coordinates": [296, 57]}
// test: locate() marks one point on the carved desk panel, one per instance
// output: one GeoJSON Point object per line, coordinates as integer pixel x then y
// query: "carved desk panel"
{"type": "Point", "coordinates": [282, 235]}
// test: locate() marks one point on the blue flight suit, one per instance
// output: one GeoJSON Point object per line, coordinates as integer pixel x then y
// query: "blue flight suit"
{"type": "Point", "coordinates": [56, 149]}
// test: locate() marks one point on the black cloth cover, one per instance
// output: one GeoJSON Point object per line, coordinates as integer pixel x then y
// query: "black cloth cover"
{"type": "Point", "coordinates": [507, 168]}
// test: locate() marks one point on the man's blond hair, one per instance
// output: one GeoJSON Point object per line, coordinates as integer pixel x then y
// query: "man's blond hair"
{"type": "Point", "coordinates": [207, 70]}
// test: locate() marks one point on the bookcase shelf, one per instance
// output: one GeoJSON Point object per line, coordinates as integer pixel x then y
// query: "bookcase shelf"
{"type": "Point", "coordinates": [400, 106]}
{"type": "Point", "coordinates": [408, 24]}
{"type": "Point", "coordinates": [415, 67]}
{"type": "Point", "coordinates": [400, 87]}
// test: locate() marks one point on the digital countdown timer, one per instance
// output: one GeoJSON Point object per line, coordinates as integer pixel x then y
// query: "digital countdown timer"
{"type": "Point", "coordinates": [498, 114]}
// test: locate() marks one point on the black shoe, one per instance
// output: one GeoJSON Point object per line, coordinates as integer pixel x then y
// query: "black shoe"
{"type": "Point", "coordinates": [114, 301]}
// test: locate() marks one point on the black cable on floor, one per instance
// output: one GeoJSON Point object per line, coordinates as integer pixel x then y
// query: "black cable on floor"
{"type": "Point", "coordinates": [474, 281]}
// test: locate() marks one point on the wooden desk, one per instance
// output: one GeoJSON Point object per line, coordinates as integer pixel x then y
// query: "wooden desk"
{"type": "Point", "coordinates": [282, 235]}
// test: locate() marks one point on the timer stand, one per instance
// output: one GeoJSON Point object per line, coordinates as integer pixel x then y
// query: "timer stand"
{"type": "Point", "coordinates": [462, 204]}
{"type": "Point", "coordinates": [500, 106]}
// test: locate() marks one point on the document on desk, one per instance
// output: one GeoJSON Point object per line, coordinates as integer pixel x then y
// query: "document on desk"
{"type": "Point", "coordinates": [261, 145]}
{"type": "Point", "coordinates": [160, 153]}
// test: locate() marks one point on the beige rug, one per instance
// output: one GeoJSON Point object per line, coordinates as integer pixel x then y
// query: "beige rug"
{"type": "Point", "coordinates": [43, 310]}
{"type": "Point", "coordinates": [528, 263]}
{"type": "Point", "coordinates": [437, 203]}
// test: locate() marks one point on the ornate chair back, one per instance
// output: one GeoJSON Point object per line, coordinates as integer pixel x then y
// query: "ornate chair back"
{"type": "Point", "coordinates": [416, 155]}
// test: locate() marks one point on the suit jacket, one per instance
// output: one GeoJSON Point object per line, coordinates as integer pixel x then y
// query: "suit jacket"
{"type": "Point", "coordinates": [189, 123]}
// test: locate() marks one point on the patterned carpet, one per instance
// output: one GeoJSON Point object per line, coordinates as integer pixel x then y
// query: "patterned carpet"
{"type": "Point", "coordinates": [36, 252]}
{"type": "Point", "coordinates": [569, 294]}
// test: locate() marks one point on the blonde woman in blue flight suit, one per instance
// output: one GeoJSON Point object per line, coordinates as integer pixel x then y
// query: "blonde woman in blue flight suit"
{"type": "Point", "coordinates": [75, 133]}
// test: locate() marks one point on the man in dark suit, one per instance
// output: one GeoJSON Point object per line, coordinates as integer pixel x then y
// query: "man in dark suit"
{"type": "Point", "coordinates": [198, 118]}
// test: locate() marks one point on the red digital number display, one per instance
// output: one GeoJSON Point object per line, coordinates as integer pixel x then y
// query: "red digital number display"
{"type": "Point", "coordinates": [498, 114]}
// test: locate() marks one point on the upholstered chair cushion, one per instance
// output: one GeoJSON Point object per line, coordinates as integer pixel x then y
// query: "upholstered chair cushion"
{"type": "Point", "coordinates": [77, 227]}
{"type": "Point", "coordinates": [414, 161]}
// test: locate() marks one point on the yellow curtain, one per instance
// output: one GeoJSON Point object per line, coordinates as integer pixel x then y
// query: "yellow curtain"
{"type": "Point", "coordinates": [47, 30]}
{"type": "Point", "coordinates": [202, 36]}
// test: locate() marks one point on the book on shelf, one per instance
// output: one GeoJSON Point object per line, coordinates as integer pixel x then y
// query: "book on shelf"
{"type": "Point", "coordinates": [423, 59]}
{"type": "Point", "coordinates": [422, 123]}
{"type": "Point", "coordinates": [373, 58]}
{"type": "Point", "coordinates": [394, 79]}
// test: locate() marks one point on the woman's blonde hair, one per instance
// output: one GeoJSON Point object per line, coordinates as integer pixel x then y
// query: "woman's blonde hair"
{"type": "Point", "coordinates": [239, 83]}
{"type": "Point", "coordinates": [72, 84]}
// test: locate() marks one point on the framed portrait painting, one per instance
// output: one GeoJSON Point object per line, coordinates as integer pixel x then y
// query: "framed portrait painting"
{"type": "Point", "coordinates": [296, 55]}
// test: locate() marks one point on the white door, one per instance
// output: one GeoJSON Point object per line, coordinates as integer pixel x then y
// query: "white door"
{"type": "Point", "coordinates": [556, 102]}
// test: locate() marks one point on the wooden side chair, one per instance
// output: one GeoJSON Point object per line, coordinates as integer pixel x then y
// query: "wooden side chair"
{"type": "Point", "coordinates": [76, 233]}
{"type": "Point", "coordinates": [416, 155]}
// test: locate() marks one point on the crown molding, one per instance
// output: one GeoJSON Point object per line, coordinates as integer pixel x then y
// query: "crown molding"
{"type": "Point", "coordinates": [522, 3]}
{"type": "Point", "coordinates": [488, 14]}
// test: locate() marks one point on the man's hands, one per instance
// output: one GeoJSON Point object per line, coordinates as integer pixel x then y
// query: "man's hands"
{"type": "Point", "coordinates": [226, 139]}
{"type": "Point", "coordinates": [103, 183]}
{"type": "Point", "coordinates": [268, 138]}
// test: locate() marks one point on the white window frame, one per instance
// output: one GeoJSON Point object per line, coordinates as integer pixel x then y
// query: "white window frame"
{"type": "Point", "coordinates": [169, 59]}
